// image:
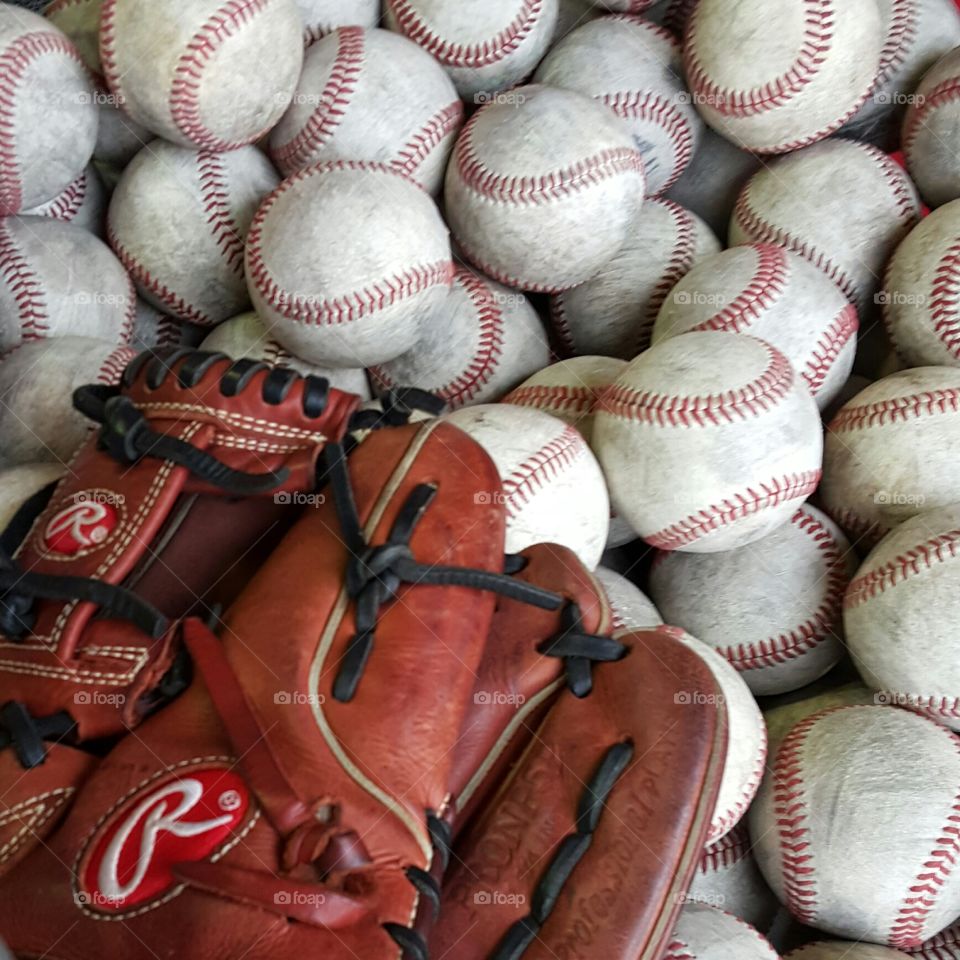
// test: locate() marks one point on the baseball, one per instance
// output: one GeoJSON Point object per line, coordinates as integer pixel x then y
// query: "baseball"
{"type": "Point", "coordinates": [728, 877]}
{"type": "Point", "coordinates": [484, 47]}
{"type": "Point", "coordinates": [836, 771]}
{"type": "Point", "coordinates": [246, 337]}
{"type": "Point", "coordinates": [529, 180]}
{"type": "Point", "coordinates": [888, 453]}
{"type": "Point", "coordinates": [865, 206]}
{"type": "Point", "coordinates": [178, 220]}
{"type": "Point", "coordinates": [631, 609]}
{"type": "Point", "coordinates": [920, 304]}
{"type": "Point", "coordinates": [776, 76]}
{"type": "Point", "coordinates": [778, 296]}
{"type": "Point", "coordinates": [212, 83]}
{"type": "Point", "coordinates": [899, 614]}
{"type": "Point", "coordinates": [613, 313]}
{"type": "Point", "coordinates": [151, 328]}
{"type": "Point", "coordinates": [942, 946]}
{"type": "Point", "coordinates": [348, 262]}
{"type": "Point", "coordinates": [780, 720]}
{"type": "Point", "coordinates": [633, 67]}
{"type": "Point", "coordinates": [18, 484]}
{"type": "Point", "coordinates": [841, 950]}
{"type": "Point", "coordinates": [772, 608]}
{"type": "Point", "coordinates": [83, 203]}
{"type": "Point", "coordinates": [706, 933]}
{"type": "Point", "coordinates": [370, 95]}
{"type": "Point", "coordinates": [930, 139]}
{"type": "Point", "coordinates": [732, 405]}
{"type": "Point", "coordinates": [552, 485]}
{"type": "Point", "coordinates": [59, 280]}
{"type": "Point", "coordinates": [490, 340]}
{"type": "Point", "coordinates": [47, 111]}
{"type": "Point", "coordinates": [37, 419]}
{"type": "Point", "coordinates": [321, 17]}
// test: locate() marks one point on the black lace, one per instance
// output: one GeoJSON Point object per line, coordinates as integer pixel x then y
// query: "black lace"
{"type": "Point", "coordinates": [26, 734]}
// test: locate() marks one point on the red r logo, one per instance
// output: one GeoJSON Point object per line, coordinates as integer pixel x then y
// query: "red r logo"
{"type": "Point", "coordinates": [80, 526]}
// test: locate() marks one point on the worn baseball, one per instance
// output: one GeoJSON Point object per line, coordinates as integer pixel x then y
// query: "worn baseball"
{"type": "Point", "coordinates": [246, 337]}
{"type": "Point", "coordinates": [630, 607]}
{"type": "Point", "coordinates": [778, 296]}
{"type": "Point", "coordinates": [728, 877]}
{"type": "Point", "coordinates": [612, 314]}
{"type": "Point", "coordinates": [843, 950]}
{"type": "Point", "coordinates": [836, 771]}
{"type": "Point", "coordinates": [490, 339]}
{"type": "Point", "coordinates": [772, 608]}
{"type": "Point", "coordinates": [19, 484]}
{"type": "Point", "coordinates": [930, 132]}
{"type": "Point", "coordinates": [900, 613]}
{"type": "Point", "coordinates": [47, 111]}
{"type": "Point", "coordinates": [552, 487]}
{"type": "Point", "coordinates": [889, 452]}
{"type": "Point", "coordinates": [222, 75]}
{"type": "Point", "coordinates": [151, 328]}
{"type": "Point", "coordinates": [484, 47]}
{"type": "Point", "coordinates": [921, 306]}
{"type": "Point", "coordinates": [83, 203]}
{"type": "Point", "coordinates": [349, 263]}
{"type": "Point", "coordinates": [777, 76]}
{"type": "Point", "coordinates": [709, 441]}
{"type": "Point", "coordinates": [781, 719]}
{"type": "Point", "coordinates": [321, 17]}
{"type": "Point", "coordinates": [59, 280]}
{"type": "Point", "coordinates": [178, 220]}
{"type": "Point", "coordinates": [531, 180]}
{"type": "Point", "coordinates": [942, 946]}
{"type": "Point", "coordinates": [37, 419]}
{"type": "Point", "coordinates": [865, 205]}
{"type": "Point", "coordinates": [633, 67]}
{"type": "Point", "coordinates": [370, 95]}
{"type": "Point", "coordinates": [706, 933]}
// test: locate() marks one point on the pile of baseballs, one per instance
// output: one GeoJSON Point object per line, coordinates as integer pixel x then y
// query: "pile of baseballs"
{"type": "Point", "coordinates": [689, 270]}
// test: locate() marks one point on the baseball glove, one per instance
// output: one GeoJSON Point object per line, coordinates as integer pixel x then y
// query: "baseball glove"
{"type": "Point", "coordinates": [167, 510]}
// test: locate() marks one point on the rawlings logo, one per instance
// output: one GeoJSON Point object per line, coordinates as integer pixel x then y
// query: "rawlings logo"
{"type": "Point", "coordinates": [84, 524]}
{"type": "Point", "coordinates": [180, 819]}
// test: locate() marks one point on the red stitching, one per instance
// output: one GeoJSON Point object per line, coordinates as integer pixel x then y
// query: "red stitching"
{"type": "Point", "coordinates": [945, 300]}
{"type": "Point", "coordinates": [660, 409]}
{"type": "Point", "coordinates": [429, 137]}
{"type": "Point", "coordinates": [66, 205]}
{"type": "Point", "coordinates": [945, 92]}
{"type": "Point", "coordinates": [829, 347]}
{"type": "Point", "coordinates": [727, 852]}
{"type": "Point", "coordinates": [215, 194]}
{"type": "Point", "coordinates": [185, 90]}
{"type": "Point", "coordinates": [334, 100]}
{"type": "Point", "coordinates": [794, 643]}
{"type": "Point", "coordinates": [16, 58]}
{"type": "Point", "coordinates": [540, 468]}
{"type": "Point", "coordinates": [147, 281]}
{"type": "Point", "coordinates": [575, 401]}
{"type": "Point", "coordinates": [944, 946]}
{"type": "Point", "coordinates": [763, 496]}
{"type": "Point", "coordinates": [677, 16]}
{"type": "Point", "coordinates": [896, 410]}
{"type": "Point", "coordinates": [26, 287]}
{"type": "Point", "coordinates": [727, 821]}
{"type": "Point", "coordinates": [169, 332]}
{"type": "Point", "coordinates": [481, 54]}
{"type": "Point", "coordinates": [112, 368]}
{"type": "Point", "coordinates": [901, 34]}
{"type": "Point", "coordinates": [560, 323]}
{"type": "Point", "coordinates": [817, 42]}
{"type": "Point", "coordinates": [865, 531]}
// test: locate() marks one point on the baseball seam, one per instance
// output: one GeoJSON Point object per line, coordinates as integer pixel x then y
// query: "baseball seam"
{"type": "Point", "coordinates": [575, 401]}
{"type": "Point", "coordinates": [67, 205]}
{"type": "Point", "coordinates": [828, 349]}
{"type": "Point", "coordinates": [111, 370]}
{"type": "Point", "coordinates": [25, 286]}
{"type": "Point", "coordinates": [948, 91]}
{"type": "Point", "coordinates": [540, 468]}
{"type": "Point", "coordinates": [420, 147]}
{"type": "Point", "coordinates": [896, 410]}
{"type": "Point", "coordinates": [215, 196]}
{"type": "Point", "coordinates": [728, 851]}
{"type": "Point", "coordinates": [945, 300]}
{"type": "Point", "coordinates": [901, 36]}
{"type": "Point", "coordinates": [724, 822]}
{"type": "Point", "coordinates": [862, 530]}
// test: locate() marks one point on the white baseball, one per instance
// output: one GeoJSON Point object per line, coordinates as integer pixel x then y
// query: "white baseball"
{"type": "Point", "coordinates": [728, 877]}
{"type": "Point", "coordinates": [930, 132]}
{"type": "Point", "coordinates": [942, 946]}
{"type": "Point", "coordinates": [865, 205]}
{"type": "Point", "coordinates": [246, 337]}
{"type": "Point", "coordinates": [776, 76]}
{"type": "Point", "coordinates": [19, 484]}
{"type": "Point", "coordinates": [773, 608]}
{"type": "Point", "coordinates": [37, 419]}
{"type": "Point", "coordinates": [780, 720]}
{"type": "Point", "coordinates": [488, 339]}
{"type": "Point", "coordinates": [178, 220]}
{"type": "Point", "coordinates": [370, 95]}
{"type": "Point", "coordinates": [890, 452]}
{"type": "Point", "coordinates": [151, 328]}
{"type": "Point", "coordinates": [47, 111]}
{"type": "Point", "coordinates": [706, 933]}
{"type": "Point", "coordinates": [921, 291]}
{"type": "Point", "coordinates": [220, 78]}
{"type": "Point", "coordinates": [530, 181]}
{"type": "Point", "coordinates": [612, 314]}
{"type": "Point", "coordinates": [553, 488]}
{"type": "Point", "coordinates": [855, 825]}
{"type": "Point", "coordinates": [484, 47]}
{"type": "Point", "coordinates": [843, 950]}
{"type": "Point", "coordinates": [709, 441]}
{"type": "Point", "coordinates": [83, 203]}
{"type": "Point", "coordinates": [321, 17]}
{"type": "Point", "coordinates": [630, 608]}
{"type": "Point", "coordinates": [59, 280]}
{"type": "Point", "coordinates": [633, 67]}
{"type": "Point", "coordinates": [348, 263]}
{"type": "Point", "coordinates": [778, 296]}
{"type": "Point", "coordinates": [900, 614]}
